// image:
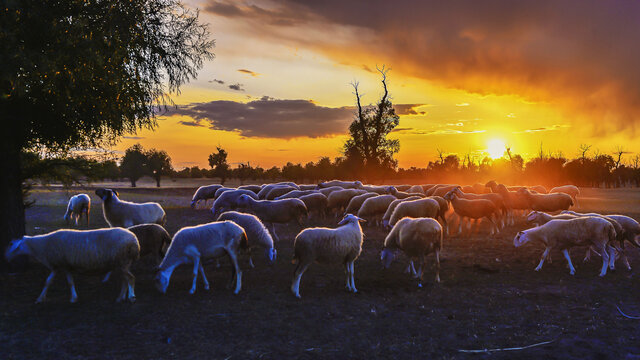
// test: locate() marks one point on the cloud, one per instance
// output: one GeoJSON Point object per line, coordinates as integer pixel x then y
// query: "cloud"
{"type": "Point", "coordinates": [133, 137]}
{"type": "Point", "coordinates": [190, 123]}
{"type": "Point", "coordinates": [217, 81]}
{"type": "Point", "coordinates": [248, 72]}
{"type": "Point", "coordinates": [236, 87]}
{"type": "Point", "coordinates": [412, 131]}
{"type": "Point", "coordinates": [268, 117]}
{"type": "Point", "coordinates": [463, 104]}
{"type": "Point", "coordinates": [580, 57]}
{"type": "Point", "coordinates": [548, 128]}
{"type": "Point", "coordinates": [408, 109]}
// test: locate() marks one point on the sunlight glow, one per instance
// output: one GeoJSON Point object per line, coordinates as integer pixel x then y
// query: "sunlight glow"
{"type": "Point", "coordinates": [495, 148]}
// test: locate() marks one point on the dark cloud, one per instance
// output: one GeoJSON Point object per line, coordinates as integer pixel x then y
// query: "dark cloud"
{"type": "Point", "coordinates": [279, 16]}
{"type": "Point", "coordinates": [133, 137]}
{"type": "Point", "coordinates": [408, 109]}
{"type": "Point", "coordinates": [248, 72]}
{"type": "Point", "coordinates": [217, 81]}
{"type": "Point", "coordinates": [236, 87]}
{"type": "Point", "coordinates": [191, 123]}
{"type": "Point", "coordinates": [268, 117]}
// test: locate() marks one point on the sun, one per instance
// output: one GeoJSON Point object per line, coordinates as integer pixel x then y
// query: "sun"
{"type": "Point", "coordinates": [495, 148]}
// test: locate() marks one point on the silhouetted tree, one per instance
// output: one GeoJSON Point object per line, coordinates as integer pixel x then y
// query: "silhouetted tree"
{"type": "Point", "coordinates": [133, 164]}
{"type": "Point", "coordinates": [158, 164]}
{"type": "Point", "coordinates": [218, 162]}
{"type": "Point", "coordinates": [81, 73]}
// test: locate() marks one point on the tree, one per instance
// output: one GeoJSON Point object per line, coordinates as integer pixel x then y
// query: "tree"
{"type": "Point", "coordinates": [133, 164]}
{"type": "Point", "coordinates": [158, 164]}
{"type": "Point", "coordinates": [369, 132]}
{"type": "Point", "coordinates": [218, 162]}
{"type": "Point", "coordinates": [81, 73]}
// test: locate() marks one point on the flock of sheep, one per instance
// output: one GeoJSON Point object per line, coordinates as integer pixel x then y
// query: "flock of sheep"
{"type": "Point", "coordinates": [418, 218]}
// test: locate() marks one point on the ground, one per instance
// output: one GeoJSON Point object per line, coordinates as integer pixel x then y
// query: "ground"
{"type": "Point", "coordinates": [490, 297]}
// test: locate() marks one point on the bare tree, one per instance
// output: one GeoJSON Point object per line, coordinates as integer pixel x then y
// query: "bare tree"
{"type": "Point", "coordinates": [584, 148]}
{"type": "Point", "coordinates": [619, 152]}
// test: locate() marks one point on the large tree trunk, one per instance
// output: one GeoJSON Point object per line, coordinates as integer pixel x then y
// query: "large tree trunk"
{"type": "Point", "coordinates": [158, 181]}
{"type": "Point", "coordinates": [133, 183]}
{"type": "Point", "coordinates": [12, 215]}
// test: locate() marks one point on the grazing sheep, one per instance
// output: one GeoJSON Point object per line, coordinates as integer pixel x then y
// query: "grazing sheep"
{"type": "Point", "coordinates": [120, 213]}
{"type": "Point", "coordinates": [325, 245]}
{"type": "Point", "coordinates": [496, 199]}
{"type": "Point", "coordinates": [342, 184]}
{"type": "Point", "coordinates": [444, 207]}
{"type": "Point", "coordinates": [308, 187]}
{"type": "Point", "coordinates": [153, 239]}
{"type": "Point", "coordinates": [275, 211]}
{"type": "Point", "coordinates": [570, 190]}
{"type": "Point", "coordinates": [392, 206]}
{"type": "Point", "coordinates": [547, 202]}
{"type": "Point", "coordinates": [221, 191]}
{"type": "Point", "coordinates": [255, 188]}
{"type": "Point", "coordinates": [392, 190]}
{"type": "Point", "coordinates": [329, 190]}
{"type": "Point", "coordinates": [338, 200]}
{"type": "Point", "coordinates": [564, 234]}
{"type": "Point", "coordinates": [378, 189]}
{"type": "Point", "coordinates": [512, 200]}
{"type": "Point", "coordinates": [427, 187]}
{"type": "Point", "coordinates": [278, 191]}
{"type": "Point", "coordinates": [373, 209]}
{"type": "Point", "coordinates": [417, 238]}
{"type": "Point", "coordinates": [191, 245]}
{"type": "Point", "coordinates": [288, 183]}
{"type": "Point", "coordinates": [205, 193]}
{"type": "Point", "coordinates": [539, 189]}
{"type": "Point", "coordinates": [229, 201]}
{"type": "Point", "coordinates": [78, 204]}
{"type": "Point", "coordinates": [356, 202]}
{"type": "Point", "coordinates": [267, 188]}
{"type": "Point", "coordinates": [296, 194]}
{"type": "Point", "coordinates": [473, 209]}
{"type": "Point", "coordinates": [316, 204]}
{"type": "Point", "coordinates": [403, 187]}
{"type": "Point", "coordinates": [257, 234]}
{"type": "Point", "coordinates": [422, 208]}
{"type": "Point", "coordinates": [443, 190]}
{"type": "Point", "coordinates": [83, 251]}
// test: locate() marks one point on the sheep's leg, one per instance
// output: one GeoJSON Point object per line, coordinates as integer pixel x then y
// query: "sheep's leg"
{"type": "Point", "coordinates": [297, 275]}
{"type": "Point", "coordinates": [204, 277]}
{"type": "Point", "coordinates": [612, 258]}
{"type": "Point", "coordinates": [460, 219]}
{"type": "Point", "coordinates": [410, 268]}
{"type": "Point", "coordinates": [437, 265]}
{"type": "Point", "coordinates": [131, 282]}
{"type": "Point", "coordinates": [572, 270]}
{"type": "Point", "coordinates": [587, 255]}
{"type": "Point", "coordinates": [347, 271]}
{"type": "Point", "coordinates": [605, 260]}
{"type": "Point", "coordinates": [236, 267]}
{"type": "Point", "coordinates": [469, 227]}
{"type": "Point", "coordinates": [625, 261]}
{"type": "Point", "coordinates": [72, 286]}
{"type": "Point", "coordinates": [421, 271]}
{"type": "Point", "coordinates": [544, 256]}
{"type": "Point", "coordinates": [444, 221]}
{"type": "Point", "coordinates": [43, 294]}
{"type": "Point", "coordinates": [251, 262]}
{"type": "Point", "coordinates": [196, 267]}
{"type": "Point", "coordinates": [106, 277]}
{"type": "Point", "coordinates": [352, 272]}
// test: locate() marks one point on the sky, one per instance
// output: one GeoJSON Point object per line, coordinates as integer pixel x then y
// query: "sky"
{"type": "Point", "coordinates": [467, 77]}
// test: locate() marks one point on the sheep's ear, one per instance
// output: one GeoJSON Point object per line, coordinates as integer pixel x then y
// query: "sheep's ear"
{"type": "Point", "coordinates": [361, 219]}
{"type": "Point", "coordinates": [116, 192]}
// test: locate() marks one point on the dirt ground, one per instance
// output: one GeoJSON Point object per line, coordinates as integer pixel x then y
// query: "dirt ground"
{"type": "Point", "coordinates": [490, 297]}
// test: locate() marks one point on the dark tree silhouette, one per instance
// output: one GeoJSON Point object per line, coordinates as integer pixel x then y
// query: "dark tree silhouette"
{"type": "Point", "coordinates": [77, 73]}
{"type": "Point", "coordinates": [158, 164]}
{"type": "Point", "coordinates": [369, 131]}
{"type": "Point", "coordinates": [133, 164]}
{"type": "Point", "coordinates": [218, 162]}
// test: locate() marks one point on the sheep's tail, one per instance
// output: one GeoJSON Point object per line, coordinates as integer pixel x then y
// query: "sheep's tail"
{"type": "Point", "coordinates": [244, 242]}
{"type": "Point", "coordinates": [296, 254]}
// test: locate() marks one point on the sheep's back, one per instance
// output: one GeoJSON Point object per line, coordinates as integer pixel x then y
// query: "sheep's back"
{"type": "Point", "coordinates": [329, 245]}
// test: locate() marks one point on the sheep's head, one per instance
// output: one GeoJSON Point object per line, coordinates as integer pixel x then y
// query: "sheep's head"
{"type": "Point", "coordinates": [391, 190]}
{"type": "Point", "coordinates": [491, 184]}
{"type": "Point", "coordinates": [271, 254]}
{"type": "Point", "coordinates": [350, 218]}
{"type": "Point", "coordinates": [520, 239]}
{"type": "Point", "coordinates": [387, 256]}
{"type": "Point", "coordinates": [243, 201]}
{"type": "Point", "coordinates": [533, 216]}
{"type": "Point", "coordinates": [450, 195]}
{"type": "Point", "coordinates": [358, 184]}
{"type": "Point", "coordinates": [106, 194]}
{"type": "Point", "coordinates": [162, 281]}
{"type": "Point", "coordinates": [16, 248]}
{"type": "Point", "coordinates": [193, 204]}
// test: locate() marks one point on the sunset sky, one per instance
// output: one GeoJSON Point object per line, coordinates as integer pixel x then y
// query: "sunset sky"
{"type": "Point", "coordinates": [467, 77]}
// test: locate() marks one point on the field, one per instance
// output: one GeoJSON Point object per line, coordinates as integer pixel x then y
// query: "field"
{"type": "Point", "coordinates": [490, 297]}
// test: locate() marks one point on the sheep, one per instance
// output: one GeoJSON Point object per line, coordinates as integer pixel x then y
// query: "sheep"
{"type": "Point", "coordinates": [403, 187]}
{"type": "Point", "coordinates": [473, 209]}
{"type": "Point", "coordinates": [342, 184]}
{"type": "Point", "coordinates": [288, 183]}
{"type": "Point", "coordinates": [153, 239]}
{"type": "Point", "coordinates": [443, 190]}
{"type": "Point", "coordinates": [275, 211]}
{"type": "Point", "coordinates": [192, 244]}
{"type": "Point", "coordinates": [205, 193]}
{"type": "Point", "coordinates": [373, 209]}
{"type": "Point", "coordinates": [392, 190]}
{"type": "Point", "coordinates": [85, 251]}
{"type": "Point", "coordinates": [444, 207]}
{"type": "Point", "coordinates": [496, 199]}
{"type": "Point", "coordinates": [427, 187]}
{"type": "Point", "coordinates": [229, 201]}
{"type": "Point", "coordinates": [512, 200]}
{"type": "Point", "coordinates": [338, 200]}
{"type": "Point", "coordinates": [570, 190]}
{"type": "Point", "coordinates": [308, 187]}
{"type": "Point", "coordinates": [329, 190]}
{"type": "Point", "coordinates": [547, 202]}
{"type": "Point", "coordinates": [378, 189]}
{"type": "Point", "coordinates": [422, 208]}
{"type": "Point", "coordinates": [255, 188]}
{"type": "Point", "coordinates": [324, 245]}
{"type": "Point", "coordinates": [120, 213]}
{"type": "Point", "coordinates": [221, 191]}
{"type": "Point", "coordinates": [563, 234]}
{"type": "Point", "coordinates": [539, 189]}
{"type": "Point", "coordinates": [416, 238]}
{"type": "Point", "coordinates": [296, 194]}
{"type": "Point", "coordinates": [278, 191]}
{"type": "Point", "coordinates": [356, 202]}
{"type": "Point", "coordinates": [78, 204]}
{"type": "Point", "coordinates": [265, 190]}
{"type": "Point", "coordinates": [392, 206]}
{"type": "Point", "coordinates": [257, 234]}
{"type": "Point", "coordinates": [316, 204]}
{"type": "Point", "coordinates": [416, 189]}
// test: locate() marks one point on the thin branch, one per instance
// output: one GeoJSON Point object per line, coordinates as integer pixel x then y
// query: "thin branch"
{"type": "Point", "coordinates": [627, 316]}
{"type": "Point", "coordinates": [506, 349]}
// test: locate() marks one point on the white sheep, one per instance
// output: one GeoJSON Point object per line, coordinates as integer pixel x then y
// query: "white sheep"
{"type": "Point", "coordinates": [262, 194]}
{"type": "Point", "coordinates": [296, 194]}
{"type": "Point", "coordinates": [278, 191]}
{"type": "Point", "coordinates": [392, 206]}
{"type": "Point", "coordinates": [356, 202]}
{"type": "Point", "coordinates": [416, 189]}
{"type": "Point", "coordinates": [229, 201]}
{"type": "Point", "coordinates": [564, 234]}
{"type": "Point", "coordinates": [496, 199]}
{"type": "Point", "coordinates": [342, 184]}
{"type": "Point", "coordinates": [119, 213]}
{"type": "Point", "coordinates": [473, 209]}
{"type": "Point", "coordinates": [275, 211]}
{"type": "Point", "coordinates": [570, 190]}
{"type": "Point", "coordinates": [86, 251]}
{"type": "Point", "coordinates": [324, 245]}
{"type": "Point", "coordinates": [316, 204]}
{"type": "Point", "coordinates": [193, 244]}
{"type": "Point", "coordinates": [417, 238]}
{"type": "Point", "coordinates": [547, 202]}
{"type": "Point", "coordinates": [222, 190]}
{"type": "Point", "coordinates": [308, 187]}
{"type": "Point", "coordinates": [378, 189]}
{"type": "Point", "coordinates": [255, 188]}
{"type": "Point", "coordinates": [338, 200]}
{"type": "Point", "coordinates": [373, 209]}
{"type": "Point", "coordinates": [205, 193]}
{"type": "Point", "coordinates": [327, 191]}
{"type": "Point", "coordinates": [257, 234]}
{"type": "Point", "coordinates": [421, 208]}
{"type": "Point", "coordinates": [78, 204]}
{"type": "Point", "coordinates": [392, 190]}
